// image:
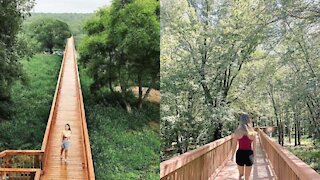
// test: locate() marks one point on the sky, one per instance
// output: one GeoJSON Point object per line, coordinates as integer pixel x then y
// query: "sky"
{"type": "Point", "coordinates": [69, 6]}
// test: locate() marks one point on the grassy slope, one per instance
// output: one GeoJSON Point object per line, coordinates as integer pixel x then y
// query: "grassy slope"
{"type": "Point", "coordinates": [31, 104]}
{"type": "Point", "coordinates": [124, 146]}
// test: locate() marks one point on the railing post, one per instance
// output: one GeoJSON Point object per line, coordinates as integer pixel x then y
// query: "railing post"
{"type": "Point", "coordinates": [7, 161]}
{"type": "Point", "coordinates": [32, 175]}
{"type": "Point", "coordinates": [41, 161]}
{"type": "Point", "coordinates": [37, 161]}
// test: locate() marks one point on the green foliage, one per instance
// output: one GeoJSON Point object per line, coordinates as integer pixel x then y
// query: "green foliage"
{"type": "Point", "coordinates": [26, 45]}
{"type": "Point", "coordinates": [75, 21]}
{"type": "Point", "coordinates": [11, 17]}
{"type": "Point", "coordinates": [50, 33]}
{"type": "Point", "coordinates": [222, 58]}
{"type": "Point", "coordinates": [122, 47]}
{"type": "Point", "coordinates": [123, 144]}
{"type": "Point", "coordinates": [31, 103]}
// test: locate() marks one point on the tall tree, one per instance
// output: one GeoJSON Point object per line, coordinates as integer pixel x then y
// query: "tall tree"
{"type": "Point", "coordinates": [219, 58]}
{"type": "Point", "coordinates": [50, 33]}
{"type": "Point", "coordinates": [125, 39]}
{"type": "Point", "coordinates": [11, 17]}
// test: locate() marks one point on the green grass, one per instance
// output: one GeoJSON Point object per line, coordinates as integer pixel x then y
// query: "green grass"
{"type": "Point", "coordinates": [31, 104]}
{"type": "Point", "coordinates": [124, 146]}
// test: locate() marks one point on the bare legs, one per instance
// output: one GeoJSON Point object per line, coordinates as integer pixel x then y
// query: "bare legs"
{"type": "Point", "coordinates": [241, 171]}
{"type": "Point", "coordinates": [61, 153]}
{"type": "Point", "coordinates": [244, 170]}
{"type": "Point", "coordinates": [247, 172]}
{"type": "Point", "coordinates": [65, 153]}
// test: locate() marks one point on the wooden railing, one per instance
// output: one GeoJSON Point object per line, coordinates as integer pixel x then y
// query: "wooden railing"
{"type": "Point", "coordinates": [30, 163]}
{"type": "Point", "coordinates": [200, 164]}
{"type": "Point", "coordinates": [21, 159]}
{"type": "Point", "coordinates": [21, 164]}
{"type": "Point", "coordinates": [87, 156]}
{"type": "Point", "coordinates": [20, 173]}
{"type": "Point", "coordinates": [285, 164]}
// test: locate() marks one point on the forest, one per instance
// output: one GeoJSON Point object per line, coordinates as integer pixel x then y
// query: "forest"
{"type": "Point", "coordinates": [122, 110]}
{"type": "Point", "coordinates": [221, 58]}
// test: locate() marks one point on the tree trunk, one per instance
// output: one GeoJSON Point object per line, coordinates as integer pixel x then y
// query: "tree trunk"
{"type": "Point", "coordinates": [289, 133]}
{"type": "Point", "coordinates": [179, 145]}
{"type": "Point", "coordinates": [310, 128]}
{"type": "Point", "coordinates": [288, 125]}
{"type": "Point", "coordinates": [143, 97]}
{"type": "Point", "coordinates": [270, 92]}
{"type": "Point", "coordinates": [295, 128]}
{"type": "Point", "coordinates": [217, 132]}
{"type": "Point", "coordinates": [127, 105]}
{"type": "Point", "coordinates": [281, 133]}
{"type": "Point", "coordinates": [140, 90]}
{"type": "Point", "coordinates": [299, 132]}
{"type": "Point", "coordinates": [110, 86]}
{"type": "Point", "coordinates": [110, 71]}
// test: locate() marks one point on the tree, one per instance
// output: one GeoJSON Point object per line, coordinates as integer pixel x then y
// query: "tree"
{"type": "Point", "coordinates": [11, 17]}
{"type": "Point", "coordinates": [219, 58]}
{"type": "Point", "coordinates": [139, 27]}
{"type": "Point", "coordinates": [122, 48]}
{"type": "Point", "coordinates": [50, 33]}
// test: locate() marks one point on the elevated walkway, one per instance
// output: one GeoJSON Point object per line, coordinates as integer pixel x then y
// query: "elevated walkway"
{"type": "Point", "coordinates": [67, 107]}
{"type": "Point", "coordinates": [212, 161]}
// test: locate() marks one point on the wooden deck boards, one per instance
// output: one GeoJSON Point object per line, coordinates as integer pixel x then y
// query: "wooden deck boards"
{"type": "Point", "coordinates": [68, 112]}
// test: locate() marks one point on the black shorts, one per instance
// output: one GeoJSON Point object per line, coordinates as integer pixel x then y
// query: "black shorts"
{"type": "Point", "coordinates": [244, 157]}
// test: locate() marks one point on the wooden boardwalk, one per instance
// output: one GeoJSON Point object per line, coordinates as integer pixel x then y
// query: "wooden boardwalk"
{"type": "Point", "coordinates": [212, 161]}
{"type": "Point", "coordinates": [68, 111]}
{"type": "Point", "coordinates": [260, 170]}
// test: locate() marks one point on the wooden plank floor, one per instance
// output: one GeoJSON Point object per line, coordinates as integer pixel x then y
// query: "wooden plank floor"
{"type": "Point", "coordinates": [68, 112]}
{"type": "Point", "coordinates": [260, 170]}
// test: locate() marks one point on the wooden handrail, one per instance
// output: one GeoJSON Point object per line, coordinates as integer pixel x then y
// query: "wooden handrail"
{"type": "Point", "coordinates": [285, 164]}
{"type": "Point", "coordinates": [88, 155]}
{"type": "Point", "coordinates": [18, 170]}
{"type": "Point", "coordinates": [201, 163]}
{"type": "Point", "coordinates": [34, 173]}
{"type": "Point", "coordinates": [20, 152]}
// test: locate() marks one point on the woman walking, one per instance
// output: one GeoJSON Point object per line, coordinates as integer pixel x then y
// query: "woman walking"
{"type": "Point", "coordinates": [66, 134]}
{"type": "Point", "coordinates": [245, 137]}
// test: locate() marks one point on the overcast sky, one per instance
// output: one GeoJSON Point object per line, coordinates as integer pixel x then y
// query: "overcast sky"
{"type": "Point", "coordinates": [69, 6]}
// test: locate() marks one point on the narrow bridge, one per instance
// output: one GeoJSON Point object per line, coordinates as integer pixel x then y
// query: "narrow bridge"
{"type": "Point", "coordinates": [212, 161]}
{"type": "Point", "coordinates": [67, 107]}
